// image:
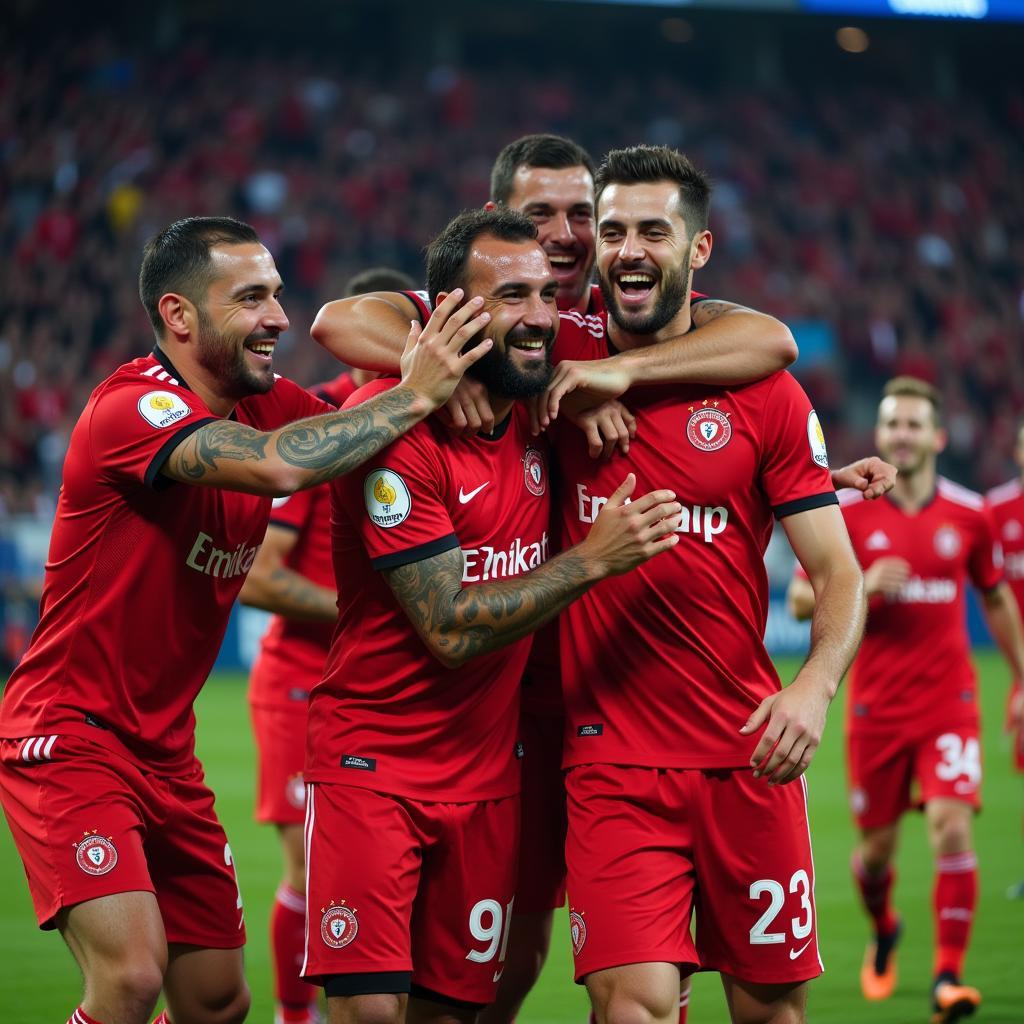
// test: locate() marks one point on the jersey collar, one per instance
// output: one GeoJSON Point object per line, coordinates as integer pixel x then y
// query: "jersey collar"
{"type": "Point", "coordinates": [162, 358]}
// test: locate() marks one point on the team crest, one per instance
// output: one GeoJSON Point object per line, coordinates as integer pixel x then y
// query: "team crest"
{"type": "Point", "coordinates": [708, 428]}
{"type": "Point", "coordinates": [388, 502]}
{"type": "Point", "coordinates": [95, 854]}
{"type": "Point", "coordinates": [295, 791]}
{"type": "Point", "coordinates": [578, 931]}
{"type": "Point", "coordinates": [947, 542]}
{"type": "Point", "coordinates": [816, 440]}
{"type": "Point", "coordinates": [1012, 530]}
{"type": "Point", "coordinates": [338, 926]}
{"type": "Point", "coordinates": [162, 408]}
{"type": "Point", "coordinates": [533, 472]}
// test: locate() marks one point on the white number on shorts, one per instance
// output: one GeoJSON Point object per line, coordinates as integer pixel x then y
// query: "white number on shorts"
{"type": "Point", "coordinates": [801, 926]}
{"type": "Point", "coordinates": [494, 932]}
{"type": "Point", "coordinates": [229, 860]}
{"type": "Point", "coordinates": [958, 758]}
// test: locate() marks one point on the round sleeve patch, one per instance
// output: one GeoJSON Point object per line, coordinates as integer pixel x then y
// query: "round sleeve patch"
{"type": "Point", "coordinates": [816, 439]}
{"type": "Point", "coordinates": [388, 501]}
{"type": "Point", "coordinates": [162, 408]}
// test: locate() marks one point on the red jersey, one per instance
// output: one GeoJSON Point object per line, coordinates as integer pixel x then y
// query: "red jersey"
{"type": "Point", "coordinates": [388, 716]}
{"type": "Point", "coordinates": [1007, 505]}
{"type": "Point", "coordinates": [293, 651]}
{"type": "Point", "coordinates": [142, 571]}
{"type": "Point", "coordinates": [662, 666]}
{"type": "Point", "coordinates": [913, 672]}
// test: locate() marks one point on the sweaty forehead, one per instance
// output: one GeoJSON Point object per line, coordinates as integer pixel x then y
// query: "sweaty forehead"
{"type": "Point", "coordinates": [563, 186]}
{"type": "Point", "coordinates": [249, 263]}
{"type": "Point", "coordinates": [493, 263]}
{"type": "Point", "coordinates": [648, 200]}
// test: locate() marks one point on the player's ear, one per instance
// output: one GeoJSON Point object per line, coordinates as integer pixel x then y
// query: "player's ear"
{"type": "Point", "coordinates": [700, 253]}
{"type": "Point", "coordinates": [941, 440]}
{"type": "Point", "coordinates": [178, 314]}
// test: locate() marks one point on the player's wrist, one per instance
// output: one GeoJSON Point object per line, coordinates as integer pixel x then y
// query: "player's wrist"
{"type": "Point", "coordinates": [420, 403]}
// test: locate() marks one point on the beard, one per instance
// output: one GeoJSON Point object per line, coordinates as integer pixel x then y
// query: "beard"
{"type": "Point", "coordinates": [502, 376]}
{"type": "Point", "coordinates": [672, 292]}
{"type": "Point", "coordinates": [227, 364]}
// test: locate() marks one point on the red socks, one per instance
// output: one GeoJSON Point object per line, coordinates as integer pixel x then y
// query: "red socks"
{"type": "Point", "coordinates": [876, 894]}
{"type": "Point", "coordinates": [81, 1017]}
{"type": "Point", "coordinates": [954, 899]}
{"type": "Point", "coordinates": [288, 944]}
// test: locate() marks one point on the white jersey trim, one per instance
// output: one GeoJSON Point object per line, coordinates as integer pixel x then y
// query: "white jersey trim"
{"type": "Point", "coordinates": [959, 495]}
{"type": "Point", "coordinates": [1009, 491]}
{"type": "Point", "coordinates": [849, 496]}
{"type": "Point", "coordinates": [308, 843]}
{"type": "Point", "coordinates": [37, 748]}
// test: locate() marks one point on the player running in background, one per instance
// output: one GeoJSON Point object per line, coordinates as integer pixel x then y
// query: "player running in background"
{"type": "Point", "coordinates": [912, 710]}
{"type": "Point", "coordinates": [165, 499]}
{"type": "Point", "coordinates": [679, 737]}
{"type": "Point", "coordinates": [442, 560]}
{"type": "Point", "coordinates": [1007, 505]}
{"type": "Point", "coordinates": [293, 577]}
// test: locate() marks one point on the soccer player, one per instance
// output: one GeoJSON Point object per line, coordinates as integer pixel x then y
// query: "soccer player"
{"type": "Point", "coordinates": [441, 554]}
{"type": "Point", "coordinates": [913, 710]}
{"type": "Point", "coordinates": [167, 489]}
{"type": "Point", "coordinates": [684, 755]}
{"type": "Point", "coordinates": [292, 576]}
{"type": "Point", "coordinates": [1007, 505]}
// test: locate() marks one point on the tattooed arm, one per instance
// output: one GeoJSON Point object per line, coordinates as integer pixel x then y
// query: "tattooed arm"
{"type": "Point", "coordinates": [458, 623]}
{"type": "Point", "coordinates": [272, 586]}
{"type": "Point", "coordinates": [308, 452]}
{"type": "Point", "coordinates": [729, 345]}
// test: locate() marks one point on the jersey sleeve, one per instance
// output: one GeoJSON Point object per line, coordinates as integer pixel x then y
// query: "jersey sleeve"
{"type": "Point", "coordinates": [136, 425]}
{"type": "Point", "coordinates": [985, 563]}
{"type": "Point", "coordinates": [794, 462]}
{"type": "Point", "coordinates": [399, 503]}
{"type": "Point", "coordinates": [421, 300]}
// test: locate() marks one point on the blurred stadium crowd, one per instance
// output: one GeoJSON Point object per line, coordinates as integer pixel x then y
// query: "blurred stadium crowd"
{"type": "Point", "coordinates": [886, 228]}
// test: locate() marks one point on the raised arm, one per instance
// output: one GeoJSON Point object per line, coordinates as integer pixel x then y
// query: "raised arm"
{"type": "Point", "coordinates": [274, 587]}
{"type": "Point", "coordinates": [796, 715]}
{"type": "Point", "coordinates": [367, 331]}
{"type": "Point", "coordinates": [729, 345]}
{"type": "Point", "coordinates": [457, 623]}
{"type": "Point", "coordinates": [308, 452]}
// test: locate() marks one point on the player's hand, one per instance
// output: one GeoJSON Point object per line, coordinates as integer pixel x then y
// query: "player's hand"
{"type": "Point", "coordinates": [796, 720]}
{"type": "Point", "coordinates": [432, 363]}
{"type": "Point", "coordinates": [872, 476]}
{"type": "Point", "coordinates": [627, 533]}
{"type": "Point", "coordinates": [886, 576]}
{"type": "Point", "coordinates": [608, 426]}
{"type": "Point", "coordinates": [468, 411]}
{"type": "Point", "coordinates": [594, 381]}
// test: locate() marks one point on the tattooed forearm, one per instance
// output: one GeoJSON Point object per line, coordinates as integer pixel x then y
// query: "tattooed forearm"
{"type": "Point", "coordinates": [286, 592]}
{"type": "Point", "coordinates": [706, 310]}
{"type": "Point", "coordinates": [459, 623]}
{"type": "Point", "coordinates": [223, 439]}
{"type": "Point", "coordinates": [297, 455]}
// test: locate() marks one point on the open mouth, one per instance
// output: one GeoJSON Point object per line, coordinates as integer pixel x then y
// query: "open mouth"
{"type": "Point", "coordinates": [262, 350]}
{"type": "Point", "coordinates": [564, 265]}
{"type": "Point", "coordinates": [635, 287]}
{"type": "Point", "coordinates": [532, 348]}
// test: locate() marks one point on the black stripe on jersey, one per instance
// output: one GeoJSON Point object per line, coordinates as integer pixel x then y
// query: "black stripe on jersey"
{"type": "Point", "coordinates": [422, 992]}
{"type": "Point", "coordinates": [416, 554]}
{"type": "Point", "coordinates": [153, 478]}
{"type": "Point", "coordinates": [281, 525]}
{"type": "Point", "coordinates": [163, 359]}
{"type": "Point", "coordinates": [790, 508]}
{"type": "Point", "coordinates": [423, 310]}
{"type": "Point", "coordinates": [370, 984]}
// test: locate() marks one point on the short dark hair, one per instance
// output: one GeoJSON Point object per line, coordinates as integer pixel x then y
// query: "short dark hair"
{"type": "Point", "coordinates": [913, 387]}
{"type": "Point", "coordinates": [379, 279]}
{"type": "Point", "coordinates": [551, 151]}
{"type": "Point", "coordinates": [659, 163]}
{"type": "Point", "coordinates": [178, 260]}
{"type": "Point", "coordinates": [448, 252]}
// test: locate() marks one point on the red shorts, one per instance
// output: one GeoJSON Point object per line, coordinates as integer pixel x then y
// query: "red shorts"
{"type": "Point", "coordinates": [418, 891]}
{"type": "Point", "coordinates": [88, 823]}
{"type": "Point", "coordinates": [541, 882]}
{"type": "Point", "coordinates": [280, 749]}
{"type": "Point", "coordinates": [889, 773]}
{"type": "Point", "coordinates": [648, 846]}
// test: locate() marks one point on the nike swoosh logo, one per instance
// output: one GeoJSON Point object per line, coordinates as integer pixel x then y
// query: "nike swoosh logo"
{"type": "Point", "coordinates": [794, 953]}
{"type": "Point", "coordinates": [464, 497]}
{"type": "Point", "coordinates": [498, 974]}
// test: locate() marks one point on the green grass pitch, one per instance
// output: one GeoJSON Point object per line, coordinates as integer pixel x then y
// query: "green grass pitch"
{"type": "Point", "coordinates": [39, 981]}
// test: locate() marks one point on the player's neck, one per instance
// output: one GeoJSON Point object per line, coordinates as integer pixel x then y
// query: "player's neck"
{"type": "Point", "coordinates": [912, 492]}
{"type": "Point", "coordinates": [198, 380]}
{"type": "Point", "coordinates": [578, 305]}
{"type": "Point", "coordinates": [623, 339]}
{"type": "Point", "coordinates": [501, 407]}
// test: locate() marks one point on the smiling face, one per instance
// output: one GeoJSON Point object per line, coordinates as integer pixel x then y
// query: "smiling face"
{"type": "Point", "coordinates": [907, 435]}
{"type": "Point", "coordinates": [241, 319]}
{"type": "Point", "coordinates": [517, 286]}
{"type": "Point", "coordinates": [561, 203]}
{"type": "Point", "coordinates": [645, 255]}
